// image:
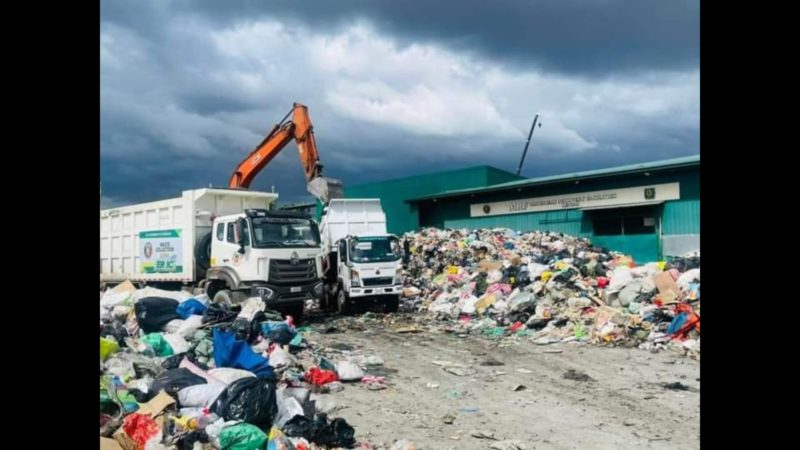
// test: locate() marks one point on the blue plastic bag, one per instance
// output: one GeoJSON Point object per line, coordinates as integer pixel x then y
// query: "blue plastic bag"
{"type": "Point", "coordinates": [677, 323]}
{"type": "Point", "coordinates": [279, 332]}
{"type": "Point", "coordinates": [190, 307]}
{"type": "Point", "coordinates": [229, 352]}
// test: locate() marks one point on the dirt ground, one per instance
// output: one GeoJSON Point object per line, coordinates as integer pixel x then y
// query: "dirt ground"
{"type": "Point", "coordinates": [511, 389]}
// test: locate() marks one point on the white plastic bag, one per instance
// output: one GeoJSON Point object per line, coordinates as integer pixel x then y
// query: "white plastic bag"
{"type": "Point", "coordinates": [179, 296]}
{"type": "Point", "coordinates": [177, 342]}
{"type": "Point", "coordinates": [288, 407]}
{"type": "Point", "coordinates": [228, 375]}
{"type": "Point", "coordinates": [111, 299]}
{"type": "Point", "coordinates": [620, 277]}
{"type": "Point", "coordinates": [200, 395]}
{"type": "Point", "coordinates": [349, 371]}
{"type": "Point", "coordinates": [251, 307]}
{"type": "Point", "coordinates": [189, 326]}
{"type": "Point", "coordinates": [173, 325]}
{"type": "Point", "coordinates": [280, 358]}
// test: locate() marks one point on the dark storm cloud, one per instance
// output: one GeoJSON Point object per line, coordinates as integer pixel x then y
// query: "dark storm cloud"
{"type": "Point", "coordinates": [576, 36]}
{"type": "Point", "coordinates": [394, 88]}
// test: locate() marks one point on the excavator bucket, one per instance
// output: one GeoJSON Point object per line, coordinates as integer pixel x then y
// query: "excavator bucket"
{"type": "Point", "coordinates": [326, 189]}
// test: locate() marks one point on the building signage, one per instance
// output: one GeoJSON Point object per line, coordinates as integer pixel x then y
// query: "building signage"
{"type": "Point", "coordinates": [642, 195]}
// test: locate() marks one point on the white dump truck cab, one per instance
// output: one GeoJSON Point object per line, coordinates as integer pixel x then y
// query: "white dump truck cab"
{"type": "Point", "coordinates": [269, 254]}
{"type": "Point", "coordinates": [369, 268]}
{"type": "Point", "coordinates": [362, 263]}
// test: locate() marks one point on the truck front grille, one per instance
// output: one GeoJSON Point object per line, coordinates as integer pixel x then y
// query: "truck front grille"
{"type": "Point", "coordinates": [299, 272]}
{"type": "Point", "coordinates": [379, 281]}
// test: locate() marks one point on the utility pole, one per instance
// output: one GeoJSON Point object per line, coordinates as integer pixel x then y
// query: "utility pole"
{"type": "Point", "coordinates": [525, 152]}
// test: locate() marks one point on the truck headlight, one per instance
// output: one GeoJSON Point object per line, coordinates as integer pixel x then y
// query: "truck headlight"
{"type": "Point", "coordinates": [355, 280]}
{"type": "Point", "coordinates": [398, 278]}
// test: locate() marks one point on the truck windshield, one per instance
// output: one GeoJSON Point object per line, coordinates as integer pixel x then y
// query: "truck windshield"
{"type": "Point", "coordinates": [278, 232]}
{"type": "Point", "coordinates": [374, 249]}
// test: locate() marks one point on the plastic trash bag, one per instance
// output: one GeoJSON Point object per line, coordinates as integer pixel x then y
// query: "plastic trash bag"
{"type": "Point", "coordinates": [153, 313]}
{"type": "Point", "coordinates": [243, 436]}
{"type": "Point", "coordinates": [159, 345]}
{"type": "Point", "coordinates": [189, 326]}
{"type": "Point", "coordinates": [318, 377]}
{"type": "Point", "coordinates": [278, 332]}
{"type": "Point", "coordinates": [186, 363]}
{"type": "Point", "coordinates": [141, 294]}
{"type": "Point", "coordinates": [177, 342]}
{"type": "Point", "coordinates": [349, 371]}
{"type": "Point", "coordinates": [220, 313]}
{"type": "Point", "coordinates": [172, 381]}
{"type": "Point", "coordinates": [200, 395]}
{"type": "Point", "coordinates": [279, 441]}
{"type": "Point", "coordinates": [280, 358]}
{"type": "Point", "coordinates": [228, 375]}
{"type": "Point", "coordinates": [140, 428]}
{"type": "Point", "coordinates": [288, 407]}
{"type": "Point", "coordinates": [230, 352]}
{"type": "Point", "coordinates": [173, 325]}
{"type": "Point", "coordinates": [121, 367]}
{"type": "Point", "coordinates": [252, 400]}
{"type": "Point", "coordinates": [337, 433]}
{"type": "Point", "coordinates": [107, 347]}
{"type": "Point", "coordinates": [190, 307]}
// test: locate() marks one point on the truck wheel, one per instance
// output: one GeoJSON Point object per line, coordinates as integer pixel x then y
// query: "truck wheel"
{"type": "Point", "coordinates": [202, 253]}
{"type": "Point", "coordinates": [344, 303]}
{"type": "Point", "coordinates": [223, 297]}
{"type": "Point", "coordinates": [391, 304]}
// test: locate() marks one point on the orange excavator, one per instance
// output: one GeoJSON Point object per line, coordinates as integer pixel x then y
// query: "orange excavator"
{"type": "Point", "coordinates": [300, 129]}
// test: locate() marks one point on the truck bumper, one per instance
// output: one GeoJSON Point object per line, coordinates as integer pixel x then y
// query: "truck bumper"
{"type": "Point", "coordinates": [371, 291]}
{"type": "Point", "coordinates": [274, 295]}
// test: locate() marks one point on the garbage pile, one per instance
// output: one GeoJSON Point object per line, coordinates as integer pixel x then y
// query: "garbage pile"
{"type": "Point", "coordinates": [177, 372]}
{"type": "Point", "coordinates": [552, 288]}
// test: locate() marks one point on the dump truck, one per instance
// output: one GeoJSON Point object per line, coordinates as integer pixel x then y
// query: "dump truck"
{"type": "Point", "coordinates": [361, 262]}
{"type": "Point", "coordinates": [226, 241]}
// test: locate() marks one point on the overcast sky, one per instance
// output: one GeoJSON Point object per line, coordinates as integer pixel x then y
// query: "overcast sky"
{"type": "Point", "coordinates": [394, 88]}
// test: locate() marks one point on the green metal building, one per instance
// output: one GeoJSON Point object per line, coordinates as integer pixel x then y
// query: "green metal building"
{"type": "Point", "coordinates": [649, 210]}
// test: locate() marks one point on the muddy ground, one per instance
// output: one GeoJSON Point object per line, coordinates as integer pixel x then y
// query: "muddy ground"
{"type": "Point", "coordinates": [444, 389]}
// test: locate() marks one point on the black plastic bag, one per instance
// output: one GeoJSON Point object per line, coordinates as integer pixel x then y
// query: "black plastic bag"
{"type": "Point", "coordinates": [251, 400]}
{"type": "Point", "coordinates": [172, 381]}
{"type": "Point", "coordinates": [336, 433]}
{"type": "Point", "coordinates": [152, 313]}
{"type": "Point", "coordinates": [173, 362]}
{"type": "Point", "coordinates": [187, 442]}
{"type": "Point", "coordinates": [117, 330]}
{"type": "Point", "coordinates": [299, 426]}
{"type": "Point", "coordinates": [140, 396]}
{"type": "Point", "coordinates": [220, 313]}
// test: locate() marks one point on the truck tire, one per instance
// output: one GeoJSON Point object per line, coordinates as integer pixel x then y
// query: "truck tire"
{"type": "Point", "coordinates": [391, 304]}
{"type": "Point", "coordinates": [344, 303]}
{"type": "Point", "coordinates": [202, 253]}
{"type": "Point", "coordinates": [229, 298]}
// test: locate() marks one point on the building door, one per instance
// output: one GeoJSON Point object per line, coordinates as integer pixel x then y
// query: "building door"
{"type": "Point", "coordinates": [633, 231]}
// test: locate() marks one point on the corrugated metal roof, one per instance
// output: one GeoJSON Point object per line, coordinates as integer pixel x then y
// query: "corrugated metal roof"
{"type": "Point", "coordinates": [686, 161]}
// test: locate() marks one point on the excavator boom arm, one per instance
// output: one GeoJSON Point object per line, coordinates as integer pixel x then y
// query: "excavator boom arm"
{"type": "Point", "coordinates": [301, 130]}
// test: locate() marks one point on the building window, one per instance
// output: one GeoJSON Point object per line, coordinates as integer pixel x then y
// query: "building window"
{"type": "Point", "coordinates": [607, 227]}
{"type": "Point", "coordinates": [624, 222]}
{"type": "Point", "coordinates": [638, 225]}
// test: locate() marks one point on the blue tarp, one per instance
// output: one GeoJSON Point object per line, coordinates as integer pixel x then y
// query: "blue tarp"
{"type": "Point", "coordinates": [189, 308]}
{"type": "Point", "coordinates": [229, 352]}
